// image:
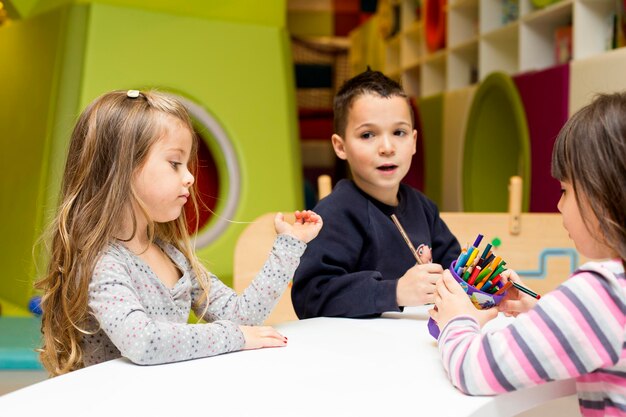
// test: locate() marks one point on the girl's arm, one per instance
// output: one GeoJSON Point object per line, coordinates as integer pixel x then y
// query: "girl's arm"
{"type": "Point", "coordinates": [255, 304]}
{"type": "Point", "coordinates": [257, 301]}
{"type": "Point", "coordinates": [574, 330]}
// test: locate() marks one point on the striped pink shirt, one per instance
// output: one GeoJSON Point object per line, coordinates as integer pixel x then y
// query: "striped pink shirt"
{"type": "Point", "coordinates": [576, 331]}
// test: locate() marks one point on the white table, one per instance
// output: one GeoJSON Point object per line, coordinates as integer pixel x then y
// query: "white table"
{"type": "Point", "coordinates": [331, 367]}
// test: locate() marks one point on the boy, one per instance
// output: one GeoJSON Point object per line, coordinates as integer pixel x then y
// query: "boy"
{"type": "Point", "coordinates": [360, 265]}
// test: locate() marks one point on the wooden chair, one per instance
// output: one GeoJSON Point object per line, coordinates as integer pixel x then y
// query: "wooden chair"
{"type": "Point", "coordinates": [251, 251]}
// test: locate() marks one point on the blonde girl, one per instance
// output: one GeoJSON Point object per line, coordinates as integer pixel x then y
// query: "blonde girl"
{"type": "Point", "coordinates": [122, 275]}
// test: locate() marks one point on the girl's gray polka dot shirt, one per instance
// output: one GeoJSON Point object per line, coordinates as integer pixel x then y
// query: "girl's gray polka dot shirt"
{"type": "Point", "coordinates": [136, 316]}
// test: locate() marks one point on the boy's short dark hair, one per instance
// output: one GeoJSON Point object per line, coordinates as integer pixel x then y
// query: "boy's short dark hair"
{"type": "Point", "coordinates": [366, 82]}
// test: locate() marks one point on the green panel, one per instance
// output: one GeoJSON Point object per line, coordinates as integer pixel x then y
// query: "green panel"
{"type": "Point", "coordinates": [30, 56]}
{"type": "Point", "coordinates": [241, 74]}
{"type": "Point", "coordinates": [269, 12]}
{"type": "Point", "coordinates": [496, 146]}
{"type": "Point", "coordinates": [71, 54]}
{"type": "Point", "coordinates": [18, 9]}
{"type": "Point", "coordinates": [431, 115]}
{"type": "Point", "coordinates": [292, 135]}
{"type": "Point", "coordinates": [9, 309]}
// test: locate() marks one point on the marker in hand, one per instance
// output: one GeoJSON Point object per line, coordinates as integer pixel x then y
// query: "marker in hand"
{"type": "Point", "coordinates": [422, 250]}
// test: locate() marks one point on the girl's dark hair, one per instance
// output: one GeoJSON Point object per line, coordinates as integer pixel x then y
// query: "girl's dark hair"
{"type": "Point", "coordinates": [368, 82]}
{"type": "Point", "coordinates": [590, 153]}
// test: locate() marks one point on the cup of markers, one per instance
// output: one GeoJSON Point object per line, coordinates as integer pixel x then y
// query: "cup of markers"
{"type": "Point", "coordinates": [478, 272]}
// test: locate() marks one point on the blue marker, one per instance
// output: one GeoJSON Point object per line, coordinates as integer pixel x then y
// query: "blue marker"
{"type": "Point", "coordinates": [478, 240]}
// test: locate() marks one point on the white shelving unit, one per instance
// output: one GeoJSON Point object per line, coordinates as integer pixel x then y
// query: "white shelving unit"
{"type": "Point", "coordinates": [482, 39]}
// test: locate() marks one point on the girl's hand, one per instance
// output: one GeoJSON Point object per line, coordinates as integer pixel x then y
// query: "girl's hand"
{"type": "Point", "coordinates": [515, 301]}
{"type": "Point", "coordinates": [258, 337]}
{"type": "Point", "coordinates": [306, 227]}
{"type": "Point", "coordinates": [451, 301]}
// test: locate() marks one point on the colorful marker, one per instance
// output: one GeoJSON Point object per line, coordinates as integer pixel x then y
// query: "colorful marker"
{"type": "Point", "coordinates": [473, 275]}
{"type": "Point", "coordinates": [472, 256]}
{"type": "Point", "coordinates": [483, 275]}
{"type": "Point", "coordinates": [526, 290]}
{"type": "Point", "coordinates": [504, 288]}
{"type": "Point", "coordinates": [486, 251]}
{"type": "Point", "coordinates": [488, 260]}
{"type": "Point", "coordinates": [483, 285]}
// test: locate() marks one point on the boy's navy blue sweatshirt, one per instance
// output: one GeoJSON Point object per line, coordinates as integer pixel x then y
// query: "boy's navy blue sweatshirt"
{"type": "Point", "coordinates": [351, 269]}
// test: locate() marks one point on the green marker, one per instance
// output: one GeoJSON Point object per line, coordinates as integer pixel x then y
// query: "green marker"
{"type": "Point", "coordinates": [484, 273]}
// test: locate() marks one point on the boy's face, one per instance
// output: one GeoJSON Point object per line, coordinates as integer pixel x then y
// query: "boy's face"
{"type": "Point", "coordinates": [379, 144]}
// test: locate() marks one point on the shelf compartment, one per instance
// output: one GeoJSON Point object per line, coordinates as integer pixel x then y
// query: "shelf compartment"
{"type": "Point", "coordinates": [537, 35]}
{"type": "Point", "coordinates": [462, 22]}
{"type": "Point", "coordinates": [409, 16]}
{"type": "Point", "coordinates": [392, 56]}
{"type": "Point", "coordinates": [411, 81]}
{"type": "Point", "coordinates": [412, 47]}
{"type": "Point", "coordinates": [492, 15]}
{"type": "Point", "coordinates": [544, 14]}
{"type": "Point", "coordinates": [499, 51]}
{"type": "Point", "coordinates": [462, 66]}
{"type": "Point", "coordinates": [593, 27]}
{"type": "Point", "coordinates": [526, 7]}
{"type": "Point", "coordinates": [433, 76]}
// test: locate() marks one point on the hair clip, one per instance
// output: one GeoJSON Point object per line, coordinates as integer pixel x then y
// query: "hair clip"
{"type": "Point", "coordinates": [132, 93]}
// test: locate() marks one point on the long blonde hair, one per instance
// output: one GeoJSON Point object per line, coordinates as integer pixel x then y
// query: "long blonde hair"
{"type": "Point", "coordinates": [111, 140]}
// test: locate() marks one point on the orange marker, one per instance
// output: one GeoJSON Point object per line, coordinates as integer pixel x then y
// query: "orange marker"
{"type": "Point", "coordinates": [504, 288]}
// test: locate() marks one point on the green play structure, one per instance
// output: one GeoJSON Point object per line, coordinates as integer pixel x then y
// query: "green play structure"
{"type": "Point", "coordinates": [496, 146]}
{"type": "Point", "coordinates": [229, 61]}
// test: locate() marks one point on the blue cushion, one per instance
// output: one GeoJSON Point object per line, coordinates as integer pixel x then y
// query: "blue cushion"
{"type": "Point", "coordinates": [20, 337]}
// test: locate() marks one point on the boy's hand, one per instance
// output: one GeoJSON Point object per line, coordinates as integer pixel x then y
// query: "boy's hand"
{"type": "Point", "coordinates": [258, 337]}
{"type": "Point", "coordinates": [451, 301]}
{"type": "Point", "coordinates": [306, 227]}
{"type": "Point", "coordinates": [417, 286]}
{"type": "Point", "coordinates": [515, 301]}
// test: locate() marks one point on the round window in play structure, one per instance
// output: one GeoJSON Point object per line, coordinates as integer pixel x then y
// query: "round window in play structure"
{"type": "Point", "coordinates": [207, 182]}
{"type": "Point", "coordinates": [217, 176]}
